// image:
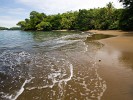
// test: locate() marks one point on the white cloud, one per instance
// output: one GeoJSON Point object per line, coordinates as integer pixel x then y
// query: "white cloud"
{"type": "Point", "coordinates": [10, 16]}
{"type": "Point", "coordinates": [59, 6]}
{"type": "Point", "coordinates": [18, 11]}
{"type": "Point", "coordinates": [7, 21]}
{"type": "Point", "coordinates": [13, 11]}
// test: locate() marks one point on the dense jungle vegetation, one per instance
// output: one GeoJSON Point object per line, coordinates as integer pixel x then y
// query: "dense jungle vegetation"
{"type": "Point", "coordinates": [98, 18]}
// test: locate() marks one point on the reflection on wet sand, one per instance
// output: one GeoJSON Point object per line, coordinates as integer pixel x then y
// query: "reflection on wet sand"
{"type": "Point", "coordinates": [116, 67]}
{"type": "Point", "coordinates": [64, 66]}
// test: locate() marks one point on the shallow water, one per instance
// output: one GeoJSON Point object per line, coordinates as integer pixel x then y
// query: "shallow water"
{"type": "Point", "coordinates": [50, 66]}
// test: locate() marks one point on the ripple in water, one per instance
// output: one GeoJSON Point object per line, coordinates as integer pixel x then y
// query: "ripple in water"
{"type": "Point", "coordinates": [66, 73]}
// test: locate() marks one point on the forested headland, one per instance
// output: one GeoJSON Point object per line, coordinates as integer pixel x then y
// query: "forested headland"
{"type": "Point", "coordinates": [106, 18]}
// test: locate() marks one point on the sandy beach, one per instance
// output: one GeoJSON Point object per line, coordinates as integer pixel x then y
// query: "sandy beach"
{"type": "Point", "coordinates": [66, 65]}
{"type": "Point", "coordinates": [116, 64]}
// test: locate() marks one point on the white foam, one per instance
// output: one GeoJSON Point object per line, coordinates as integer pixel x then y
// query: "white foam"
{"type": "Point", "coordinates": [71, 75]}
{"type": "Point", "coordinates": [18, 93]}
{"type": "Point", "coordinates": [102, 85]}
{"type": "Point", "coordinates": [53, 76]}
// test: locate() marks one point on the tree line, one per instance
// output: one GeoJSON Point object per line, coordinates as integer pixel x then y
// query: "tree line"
{"type": "Point", "coordinates": [12, 28]}
{"type": "Point", "coordinates": [98, 18]}
{"type": "Point", "coordinates": [3, 28]}
{"type": "Point", "coordinates": [126, 21]}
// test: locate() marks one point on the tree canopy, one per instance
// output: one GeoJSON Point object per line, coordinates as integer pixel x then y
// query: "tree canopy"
{"type": "Point", "coordinates": [3, 28]}
{"type": "Point", "coordinates": [126, 20]}
{"type": "Point", "coordinates": [104, 18]}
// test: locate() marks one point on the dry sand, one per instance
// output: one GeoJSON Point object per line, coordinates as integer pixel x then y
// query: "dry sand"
{"type": "Point", "coordinates": [116, 65]}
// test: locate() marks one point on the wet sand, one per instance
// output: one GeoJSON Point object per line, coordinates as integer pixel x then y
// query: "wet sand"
{"type": "Point", "coordinates": [111, 32]}
{"type": "Point", "coordinates": [66, 65]}
{"type": "Point", "coordinates": [116, 64]}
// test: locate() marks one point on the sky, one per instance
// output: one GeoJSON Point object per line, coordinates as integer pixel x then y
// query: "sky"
{"type": "Point", "coordinates": [13, 11]}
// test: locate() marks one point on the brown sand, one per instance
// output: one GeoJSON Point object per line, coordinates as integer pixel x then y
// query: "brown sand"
{"type": "Point", "coordinates": [111, 32]}
{"type": "Point", "coordinates": [116, 64]}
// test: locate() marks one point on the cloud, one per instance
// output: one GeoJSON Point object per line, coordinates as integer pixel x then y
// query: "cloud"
{"type": "Point", "coordinates": [13, 11]}
{"type": "Point", "coordinates": [10, 16]}
{"type": "Point", "coordinates": [7, 21]}
{"type": "Point", "coordinates": [59, 6]}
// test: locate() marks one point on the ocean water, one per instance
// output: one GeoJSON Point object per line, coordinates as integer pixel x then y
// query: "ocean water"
{"type": "Point", "coordinates": [49, 66]}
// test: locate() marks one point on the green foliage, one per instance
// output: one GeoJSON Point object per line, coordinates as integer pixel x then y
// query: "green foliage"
{"type": "Point", "coordinates": [35, 19]}
{"type": "Point", "coordinates": [3, 28]}
{"type": "Point", "coordinates": [56, 22]}
{"type": "Point", "coordinates": [44, 26]}
{"type": "Point", "coordinates": [84, 20]}
{"type": "Point", "coordinates": [22, 24]}
{"type": "Point", "coordinates": [12, 28]}
{"type": "Point", "coordinates": [15, 28]}
{"type": "Point", "coordinates": [68, 20]}
{"type": "Point", "coordinates": [126, 19]}
{"type": "Point", "coordinates": [127, 3]}
{"type": "Point", "coordinates": [99, 18]}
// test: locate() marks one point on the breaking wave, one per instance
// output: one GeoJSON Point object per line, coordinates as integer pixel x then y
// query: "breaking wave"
{"type": "Point", "coordinates": [59, 71]}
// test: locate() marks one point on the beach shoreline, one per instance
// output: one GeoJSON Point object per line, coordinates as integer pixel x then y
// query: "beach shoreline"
{"type": "Point", "coordinates": [110, 32]}
{"type": "Point", "coordinates": [116, 66]}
